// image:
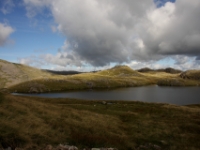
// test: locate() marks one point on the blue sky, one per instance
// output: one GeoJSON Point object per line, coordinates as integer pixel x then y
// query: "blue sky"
{"type": "Point", "coordinates": [161, 3]}
{"type": "Point", "coordinates": [66, 34]}
{"type": "Point", "coordinates": [32, 36]}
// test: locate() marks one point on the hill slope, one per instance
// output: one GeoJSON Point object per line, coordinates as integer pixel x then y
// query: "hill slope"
{"type": "Point", "coordinates": [21, 78]}
{"type": "Point", "coordinates": [11, 74]}
{"type": "Point", "coordinates": [120, 71]}
{"type": "Point", "coordinates": [120, 76]}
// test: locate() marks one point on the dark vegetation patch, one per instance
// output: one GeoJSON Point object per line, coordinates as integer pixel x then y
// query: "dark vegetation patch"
{"type": "Point", "coordinates": [63, 72]}
{"type": "Point", "coordinates": [167, 70]}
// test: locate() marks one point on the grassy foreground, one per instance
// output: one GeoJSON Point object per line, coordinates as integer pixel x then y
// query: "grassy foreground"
{"type": "Point", "coordinates": [33, 123]}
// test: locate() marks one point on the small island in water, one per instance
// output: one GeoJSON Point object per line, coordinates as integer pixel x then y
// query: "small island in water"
{"type": "Point", "coordinates": [63, 123]}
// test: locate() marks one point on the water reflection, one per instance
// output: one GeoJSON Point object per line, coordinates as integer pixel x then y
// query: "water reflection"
{"type": "Point", "coordinates": [173, 95]}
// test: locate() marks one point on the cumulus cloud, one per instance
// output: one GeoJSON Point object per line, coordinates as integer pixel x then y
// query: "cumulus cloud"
{"type": "Point", "coordinates": [5, 32]}
{"type": "Point", "coordinates": [173, 29]}
{"type": "Point", "coordinates": [114, 31]}
{"type": "Point", "coordinates": [26, 61]}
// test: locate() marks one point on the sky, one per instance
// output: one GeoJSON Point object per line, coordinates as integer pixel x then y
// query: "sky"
{"type": "Point", "coordinates": [86, 35]}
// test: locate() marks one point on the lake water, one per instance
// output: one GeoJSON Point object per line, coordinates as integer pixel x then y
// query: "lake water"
{"type": "Point", "coordinates": [172, 95]}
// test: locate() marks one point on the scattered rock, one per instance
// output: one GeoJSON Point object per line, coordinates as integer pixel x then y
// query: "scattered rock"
{"type": "Point", "coordinates": [49, 147]}
{"type": "Point", "coordinates": [104, 102]}
{"type": "Point", "coordinates": [103, 149]}
{"type": "Point", "coordinates": [67, 147]}
{"type": "Point", "coordinates": [148, 146]}
{"type": "Point", "coordinates": [61, 147]}
{"type": "Point", "coordinates": [64, 147]}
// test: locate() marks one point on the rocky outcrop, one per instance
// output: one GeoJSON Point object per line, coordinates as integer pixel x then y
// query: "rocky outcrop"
{"type": "Point", "coordinates": [191, 74]}
{"type": "Point", "coordinates": [37, 88]}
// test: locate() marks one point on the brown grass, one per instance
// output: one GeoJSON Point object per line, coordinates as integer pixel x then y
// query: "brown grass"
{"type": "Point", "coordinates": [32, 123]}
{"type": "Point", "coordinates": [23, 78]}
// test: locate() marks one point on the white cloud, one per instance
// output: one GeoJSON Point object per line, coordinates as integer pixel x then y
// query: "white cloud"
{"type": "Point", "coordinates": [176, 29]}
{"type": "Point", "coordinates": [5, 32]}
{"type": "Point", "coordinates": [186, 62]}
{"type": "Point", "coordinates": [25, 61]}
{"type": "Point", "coordinates": [115, 31]}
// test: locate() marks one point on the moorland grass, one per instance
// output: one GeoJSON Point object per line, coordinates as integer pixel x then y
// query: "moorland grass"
{"type": "Point", "coordinates": [26, 79]}
{"type": "Point", "coordinates": [102, 80]}
{"type": "Point", "coordinates": [33, 123]}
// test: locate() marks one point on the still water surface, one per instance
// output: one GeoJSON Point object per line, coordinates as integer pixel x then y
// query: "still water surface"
{"type": "Point", "coordinates": [172, 95]}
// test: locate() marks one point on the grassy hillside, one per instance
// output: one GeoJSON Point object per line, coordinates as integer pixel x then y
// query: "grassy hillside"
{"type": "Point", "coordinates": [11, 74]}
{"type": "Point", "coordinates": [121, 76]}
{"type": "Point", "coordinates": [33, 123]}
{"type": "Point", "coordinates": [120, 71]}
{"type": "Point", "coordinates": [21, 78]}
{"type": "Point", "coordinates": [79, 82]}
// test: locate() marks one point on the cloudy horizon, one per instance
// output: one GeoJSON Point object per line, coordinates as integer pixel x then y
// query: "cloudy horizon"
{"type": "Point", "coordinates": [93, 34]}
